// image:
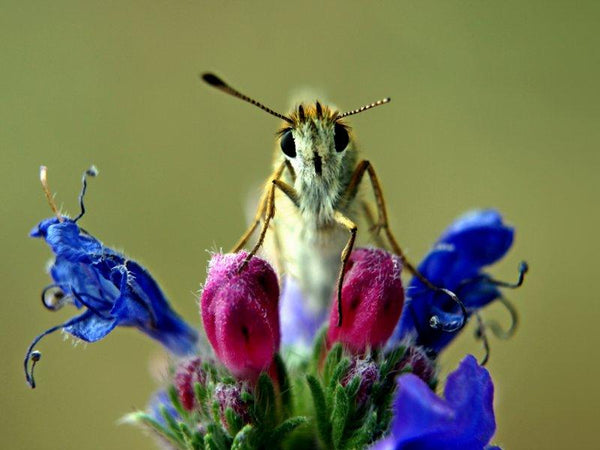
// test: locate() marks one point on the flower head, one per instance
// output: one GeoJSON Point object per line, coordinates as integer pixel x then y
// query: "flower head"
{"type": "Point", "coordinates": [463, 419]}
{"type": "Point", "coordinates": [368, 373]}
{"type": "Point", "coordinates": [113, 290]}
{"type": "Point", "coordinates": [188, 373]}
{"type": "Point", "coordinates": [372, 299]}
{"type": "Point", "coordinates": [230, 396]}
{"type": "Point", "coordinates": [475, 240]}
{"type": "Point", "coordinates": [240, 313]}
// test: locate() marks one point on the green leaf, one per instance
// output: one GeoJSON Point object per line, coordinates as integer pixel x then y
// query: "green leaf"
{"type": "Point", "coordinates": [172, 424]}
{"type": "Point", "coordinates": [209, 442]}
{"type": "Point", "coordinates": [331, 361]}
{"type": "Point", "coordinates": [321, 410]}
{"type": "Point", "coordinates": [265, 406]}
{"type": "Point", "coordinates": [339, 415]}
{"type": "Point", "coordinates": [243, 440]}
{"type": "Point", "coordinates": [157, 427]}
{"type": "Point", "coordinates": [365, 434]}
{"type": "Point", "coordinates": [390, 361]}
{"type": "Point", "coordinates": [218, 436]}
{"type": "Point", "coordinates": [338, 372]}
{"type": "Point", "coordinates": [285, 388]}
{"type": "Point", "coordinates": [174, 396]}
{"type": "Point", "coordinates": [319, 348]}
{"type": "Point", "coordinates": [234, 421]}
{"type": "Point", "coordinates": [285, 428]}
{"type": "Point", "coordinates": [201, 393]}
{"type": "Point", "coordinates": [353, 387]}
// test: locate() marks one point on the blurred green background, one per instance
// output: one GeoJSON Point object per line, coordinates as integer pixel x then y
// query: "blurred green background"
{"type": "Point", "coordinates": [494, 104]}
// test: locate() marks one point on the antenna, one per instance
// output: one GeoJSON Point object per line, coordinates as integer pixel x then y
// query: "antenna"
{"type": "Point", "coordinates": [218, 83]}
{"type": "Point", "coordinates": [364, 108]}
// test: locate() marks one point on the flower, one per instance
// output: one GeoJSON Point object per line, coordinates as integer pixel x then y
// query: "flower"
{"type": "Point", "coordinates": [372, 299]}
{"type": "Point", "coordinates": [417, 361]}
{"type": "Point", "coordinates": [476, 239]}
{"type": "Point", "coordinates": [115, 291]}
{"type": "Point", "coordinates": [240, 313]}
{"type": "Point", "coordinates": [463, 419]}
{"type": "Point", "coordinates": [229, 396]}
{"type": "Point", "coordinates": [188, 373]}
{"type": "Point", "coordinates": [368, 373]}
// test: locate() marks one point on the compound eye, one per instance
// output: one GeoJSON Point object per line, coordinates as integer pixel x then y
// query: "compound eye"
{"type": "Point", "coordinates": [341, 138]}
{"type": "Point", "coordinates": [288, 146]}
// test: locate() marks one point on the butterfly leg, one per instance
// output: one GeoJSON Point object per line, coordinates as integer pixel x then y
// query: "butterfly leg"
{"type": "Point", "coordinates": [352, 228]}
{"type": "Point", "coordinates": [290, 192]}
{"type": "Point", "coordinates": [383, 224]}
{"type": "Point", "coordinates": [260, 211]}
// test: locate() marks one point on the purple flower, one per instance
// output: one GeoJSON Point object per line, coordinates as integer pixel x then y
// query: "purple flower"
{"type": "Point", "coordinates": [463, 419]}
{"type": "Point", "coordinates": [475, 240]}
{"type": "Point", "coordinates": [114, 290]}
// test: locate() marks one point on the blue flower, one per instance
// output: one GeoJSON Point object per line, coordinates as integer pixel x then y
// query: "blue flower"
{"type": "Point", "coordinates": [464, 419]}
{"type": "Point", "coordinates": [115, 291]}
{"type": "Point", "coordinates": [475, 240]}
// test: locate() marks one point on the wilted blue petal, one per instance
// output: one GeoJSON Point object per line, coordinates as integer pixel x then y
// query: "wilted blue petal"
{"type": "Point", "coordinates": [474, 240]}
{"type": "Point", "coordinates": [114, 290]}
{"type": "Point", "coordinates": [464, 419]}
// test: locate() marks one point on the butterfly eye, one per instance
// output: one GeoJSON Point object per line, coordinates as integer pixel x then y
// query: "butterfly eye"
{"type": "Point", "coordinates": [288, 146]}
{"type": "Point", "coordinates": [341, 138]}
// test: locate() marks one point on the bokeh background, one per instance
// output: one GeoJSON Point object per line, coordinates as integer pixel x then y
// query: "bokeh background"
{"type": "Point", "coordinates": [494, 104]}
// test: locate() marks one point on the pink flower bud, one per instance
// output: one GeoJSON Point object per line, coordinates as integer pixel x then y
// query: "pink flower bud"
{"type": "Point", "coordinates": [419, 364]}
{"type": "Point", "coordinates": [230, 396]}
{"type": "Point", "coordinates": [368, 372]}
{"type": "Point", "coordinates": [372, 299]}
{"type": "Point", "coordinates": [188, 373]}
{"type": "Point", "coordinates": [240, 313]}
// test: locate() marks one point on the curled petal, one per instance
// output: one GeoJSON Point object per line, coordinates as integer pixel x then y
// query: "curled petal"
{"type": "Point", "coordinates": [464, 419]}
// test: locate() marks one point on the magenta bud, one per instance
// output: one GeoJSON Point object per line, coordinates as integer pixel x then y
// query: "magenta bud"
{"type": "Point", "coordinates": [188, 373]}
{"type": "Point", "coordinates": [368, 372]}
{"type": "Point", "coordinates": [419, 363]}
{"type": "Point", "coordinates": [240, 313]}
{"type": "Point", "coordinates": [230, 396]}
{"type": "Point", "coordinates": [372, 299]}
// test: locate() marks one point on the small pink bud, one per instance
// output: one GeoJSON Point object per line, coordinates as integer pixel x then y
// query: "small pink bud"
{"type": "Point", "coordinates": [372, 299]}
{"type": "Point", "coordinates": [188, 373]}
{"type": "Point", "coordinates": [368, 372]}
{"type": "Point", "coordinates": [240, 313]}
{"type": "Point", "coordinates": [230, 396]}
{"type": "Point", "coordinates": [419, 363]}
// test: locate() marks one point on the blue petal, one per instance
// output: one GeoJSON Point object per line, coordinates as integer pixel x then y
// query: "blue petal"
{"type": "Point", "coordinates": [114, 290]}
{"type": "Point", "coordinates": [480, 237]}
{"type": "Point", "coordinates": [90, 327]}
{"type": "Point", "coordinates": [463, 420]}
{"type": "Point", "coordinates": [474, 240]}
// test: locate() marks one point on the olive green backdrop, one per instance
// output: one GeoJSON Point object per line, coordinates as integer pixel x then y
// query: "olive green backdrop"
{"type": "Point", "coordinates": [494, 104]}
